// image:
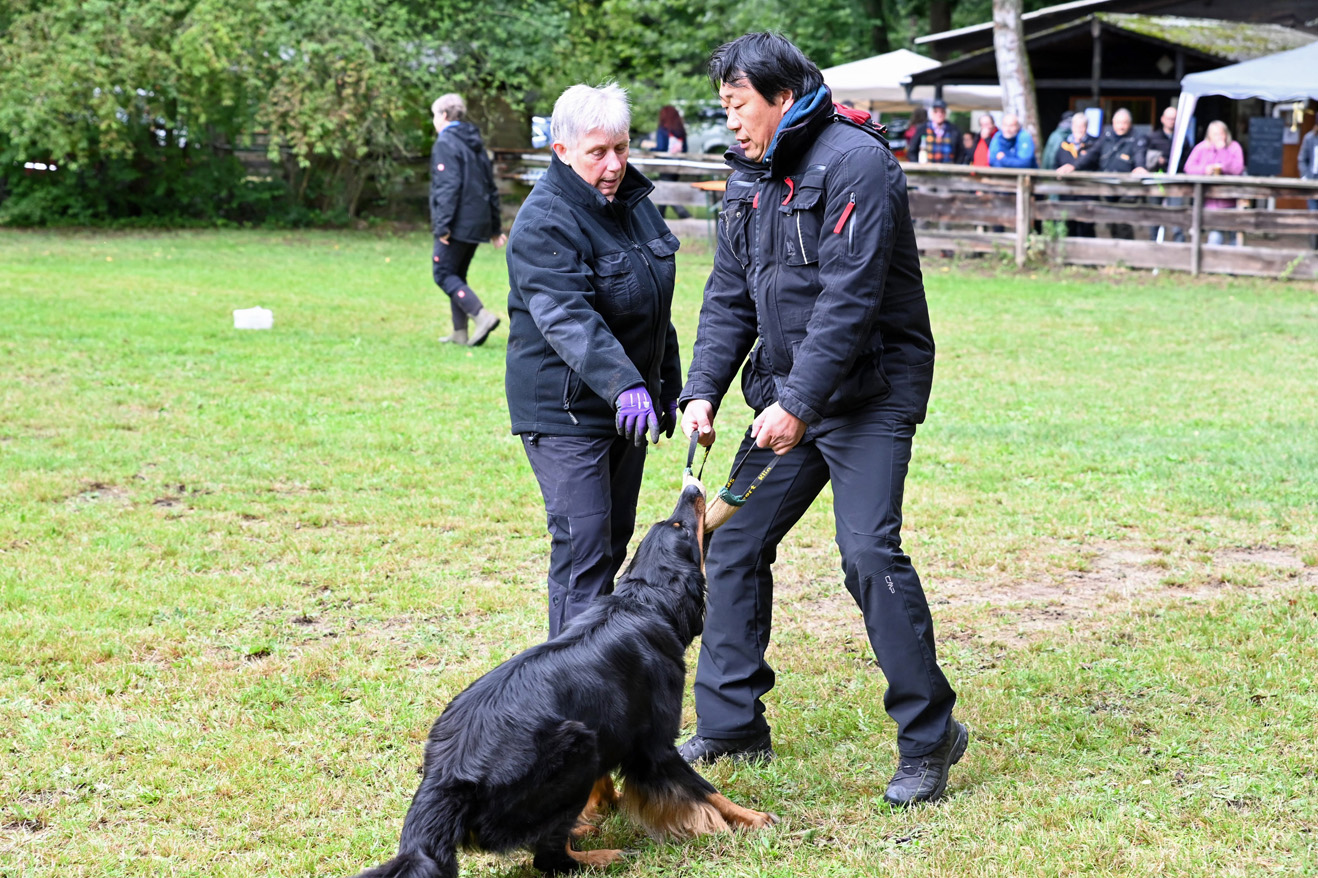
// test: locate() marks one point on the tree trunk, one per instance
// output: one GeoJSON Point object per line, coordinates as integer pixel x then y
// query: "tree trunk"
{"type": "Point", "coordinates": [1014, 66]}
{"type": "Point", "coordinates": [879, 30]}
{"type": "Point", "coordinates": [940, 19]}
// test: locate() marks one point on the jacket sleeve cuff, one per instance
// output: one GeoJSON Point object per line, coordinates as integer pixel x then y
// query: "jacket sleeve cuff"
{"type": "Point", "coordinates": [796, 406]}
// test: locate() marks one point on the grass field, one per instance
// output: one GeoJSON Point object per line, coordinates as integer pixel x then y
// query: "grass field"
{"type": "Point", "coordinates": [241, 572]}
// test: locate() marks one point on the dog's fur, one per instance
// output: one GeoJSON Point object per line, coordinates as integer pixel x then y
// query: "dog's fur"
{"type": "Point", "coordinates": [522, 758]}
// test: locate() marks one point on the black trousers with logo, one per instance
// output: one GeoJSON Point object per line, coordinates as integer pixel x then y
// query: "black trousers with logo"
{"type": "Point", "coordinates": [590, 486]}
{"type": "Point", "coordinates": [449, 264]}
{"type": "Point", "coordinates": [865, 455]}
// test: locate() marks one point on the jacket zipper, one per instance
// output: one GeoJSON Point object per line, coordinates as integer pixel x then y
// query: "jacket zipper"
{"type": "Point", "coordinates": [567, 396]}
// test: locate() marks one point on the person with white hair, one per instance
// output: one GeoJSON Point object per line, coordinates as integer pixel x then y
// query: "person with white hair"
{"type": "Point", "coordinates": [464, 211]}
{"type": "Point", "coordinates": [593, 373]}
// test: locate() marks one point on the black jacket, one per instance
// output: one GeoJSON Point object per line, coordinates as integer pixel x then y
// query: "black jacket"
{"type": "Point", "coordinates": [817, 268]}
{"type": "Point", "coordinates": [464, 202]}
{"type": "Point", "coordinates": [1119, 153]}
{"type": "Point", "coordinates": [590, 305]}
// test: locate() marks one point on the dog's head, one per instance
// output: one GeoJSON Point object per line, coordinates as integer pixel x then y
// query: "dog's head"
{"type": "Point", "coordinates": [668, 569]}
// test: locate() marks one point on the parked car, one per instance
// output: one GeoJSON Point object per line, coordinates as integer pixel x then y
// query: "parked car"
{"type": "Point", "coordinates": [707, 131]}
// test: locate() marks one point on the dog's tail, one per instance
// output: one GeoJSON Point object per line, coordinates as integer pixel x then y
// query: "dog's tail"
{"type": "Point", "coordinates": [431, 833]}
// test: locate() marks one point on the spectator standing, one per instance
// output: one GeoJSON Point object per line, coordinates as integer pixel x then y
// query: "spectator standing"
{"type": "Point", "coordinates": [1217, 154]}
{"type": "Point", "coordinates": [816, 224]}
{"type": "Point", "coordinates": [670, 137]}
{"type": "Point", "coordinates": [1076, 144]}
{"type": "Point", "coordinates": [1048, 159]}
{"type": "Point", "coordinates": [464, 211]}
{"type": "Point", "coordinates": [1012, 146]}
{"type": "Point", "coordinates": [938, 141]}
{"type": "Point", "coordinates": [987, 128]}
{"type": "Point", "coordinates": [592, 372]}
{"type": "Point", "coordinates": [1157, 159]}
{"type": "Point", "coordinates": [1309, 166]}
{"type": "Point", "coordinates": [969, 140]}
{"type": "Point", "coordinates": [1120, 151]}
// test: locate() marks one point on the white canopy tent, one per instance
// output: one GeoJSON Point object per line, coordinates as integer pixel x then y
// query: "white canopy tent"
{"type": "Point", "coordinates": [880, 81]}
{"type": "Point", "coordinates": [1285, 76]}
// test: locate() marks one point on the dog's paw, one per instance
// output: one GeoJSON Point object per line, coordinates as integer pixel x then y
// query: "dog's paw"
{"type": "Point", "coordinates": [597, 859]}
{"type": "Point", "coordinates": [757, 819]}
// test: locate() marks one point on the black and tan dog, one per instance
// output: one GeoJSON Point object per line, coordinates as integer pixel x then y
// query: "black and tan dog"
{"type": "Point", "coordinates": [522, 757]}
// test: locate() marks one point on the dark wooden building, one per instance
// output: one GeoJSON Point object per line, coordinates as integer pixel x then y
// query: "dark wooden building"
{"type": "Point", "coordinates": [1129, 53]}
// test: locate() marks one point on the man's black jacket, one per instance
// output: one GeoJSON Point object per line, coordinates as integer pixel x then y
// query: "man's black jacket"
{"type": "Point", "coordinates": [590, 305]}
{"type": "Point", "coordinates": [464, 202]}
{"type": "Point", "coordinates": [1121, 153]}
{"type": "Point", "coordinates": [817, 268]}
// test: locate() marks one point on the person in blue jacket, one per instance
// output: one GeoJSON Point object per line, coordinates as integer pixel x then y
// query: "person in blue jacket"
{"type": "Point", "coordinates": [1012, 146]}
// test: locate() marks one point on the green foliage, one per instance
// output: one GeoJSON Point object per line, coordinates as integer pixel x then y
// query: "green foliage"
{"type": "Point", "coordinates": [242, 572]}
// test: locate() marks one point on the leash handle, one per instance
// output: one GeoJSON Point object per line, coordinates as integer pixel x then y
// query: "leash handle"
{"type": "Point", "coordinates": [691, 455]}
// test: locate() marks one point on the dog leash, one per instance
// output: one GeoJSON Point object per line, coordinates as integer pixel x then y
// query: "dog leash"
{"type": "Point", "coordinates": [691, 456]}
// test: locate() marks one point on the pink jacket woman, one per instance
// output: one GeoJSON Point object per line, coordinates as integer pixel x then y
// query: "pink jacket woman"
{"type": "Point", "coordinates": [1217, 154]}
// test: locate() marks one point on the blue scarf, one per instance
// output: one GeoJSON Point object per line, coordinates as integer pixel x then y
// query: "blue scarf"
{"type": "Point", "coordinates": [798, 111]}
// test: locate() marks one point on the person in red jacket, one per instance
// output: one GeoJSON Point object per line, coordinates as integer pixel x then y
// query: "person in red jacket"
{"type": "Point", "coordinates": [987, 129]}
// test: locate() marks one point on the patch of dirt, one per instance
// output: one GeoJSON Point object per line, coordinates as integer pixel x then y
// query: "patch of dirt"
{"type": "Point", "coordinates": [1115, 578]}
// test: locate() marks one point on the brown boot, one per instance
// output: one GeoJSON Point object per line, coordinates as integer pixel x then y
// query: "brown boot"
{"type": "Point", "coordinates": [459, 336]}
{"type": "Point", "coordinates": [485, 320]}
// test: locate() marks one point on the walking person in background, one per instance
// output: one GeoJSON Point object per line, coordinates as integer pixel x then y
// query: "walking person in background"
{"type": "Point", "coordinates": [1309, 166]}
{"type": "Point", "coordinates": [1217, 154]}
{"type": "Point", "coordinates": [464, 211]}
{"type": "Point", "coordinates": [987, 128]}
{"type": "Point", "coordinates": [670, 137]}
{"type": "Point", "coordinates": [593, 372]}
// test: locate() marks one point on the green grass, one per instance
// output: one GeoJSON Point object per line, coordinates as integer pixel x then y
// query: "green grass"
{"type": "Point", "coordinates": [241, 572]}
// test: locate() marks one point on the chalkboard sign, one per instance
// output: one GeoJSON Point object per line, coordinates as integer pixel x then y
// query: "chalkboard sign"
{"type": "Point", "coordinates": [1265, 135]}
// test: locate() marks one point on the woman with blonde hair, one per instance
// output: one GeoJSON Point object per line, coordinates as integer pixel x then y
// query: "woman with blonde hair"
{"type": "Point", "coordinates": [1216, 154]}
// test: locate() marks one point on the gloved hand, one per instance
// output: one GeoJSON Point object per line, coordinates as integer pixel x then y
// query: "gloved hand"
{"type": "Point", "coordinates": [668, 418]}
{"type": "Point", "coordinates": [636, 416]}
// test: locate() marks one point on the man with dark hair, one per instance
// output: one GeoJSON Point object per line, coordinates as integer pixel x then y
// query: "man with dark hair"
{"type": "Point", "coordinates": [817, 277]}
{"type": "Point", "coordinates": [464, 211]}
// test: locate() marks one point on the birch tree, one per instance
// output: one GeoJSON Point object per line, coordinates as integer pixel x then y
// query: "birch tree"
{"type": "Point", "coordinates": [1014, 65]}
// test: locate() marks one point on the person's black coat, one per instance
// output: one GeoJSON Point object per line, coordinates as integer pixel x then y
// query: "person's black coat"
{"type": "Point", "coordinates": [1119, 153]}
{"type": "Point", "coordinates": [590, 304]}
{"type": "Point", "coordinates": [817, 269]}
{"type": "Point", "coordinates": [464, 202]}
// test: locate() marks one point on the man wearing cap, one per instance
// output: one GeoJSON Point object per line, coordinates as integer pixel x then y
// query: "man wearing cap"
{"type": "Point", "coordinates": [938, 141]}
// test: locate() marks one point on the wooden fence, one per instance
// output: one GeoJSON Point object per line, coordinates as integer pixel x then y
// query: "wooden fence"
{"type": "Point", "coordinates": [1034, 216]}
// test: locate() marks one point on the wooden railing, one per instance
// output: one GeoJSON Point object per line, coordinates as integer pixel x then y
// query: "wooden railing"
{"type": "Point", "coordinates": [1026, 215]}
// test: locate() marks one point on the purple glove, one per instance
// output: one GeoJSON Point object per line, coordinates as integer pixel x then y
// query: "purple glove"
{"type": "Point", "coordinates": [668, 420]}
{"type": "Point", "coordinates": [636, 416]}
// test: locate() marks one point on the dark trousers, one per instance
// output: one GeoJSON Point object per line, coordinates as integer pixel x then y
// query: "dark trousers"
{"type": "Point", "coordinates": [866, 456]}
{"type": "Point", "coordinates": [1313, 205]}
{"type": "Point", "coordinates": [590, 486]}
{"type": "Point", "coordinates": [449, 264]}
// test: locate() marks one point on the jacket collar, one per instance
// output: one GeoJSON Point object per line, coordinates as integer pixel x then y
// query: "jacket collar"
{"type": "Point", "coordinates": [635, 187]}
{"type": "Point", "coordinates": [797, 132]}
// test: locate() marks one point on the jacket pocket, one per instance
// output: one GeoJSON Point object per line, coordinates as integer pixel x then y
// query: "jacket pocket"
{"type": "Point", "coordinates": [618, 288]}
{"type": "Point", "coordinates": [802, 217]}
{"type": "Point", "coordinates": [735, 219]}
{"type": "Point", "coordinates": [664, 262]}
{"type": "Point", "coordinates": [757, 384]}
